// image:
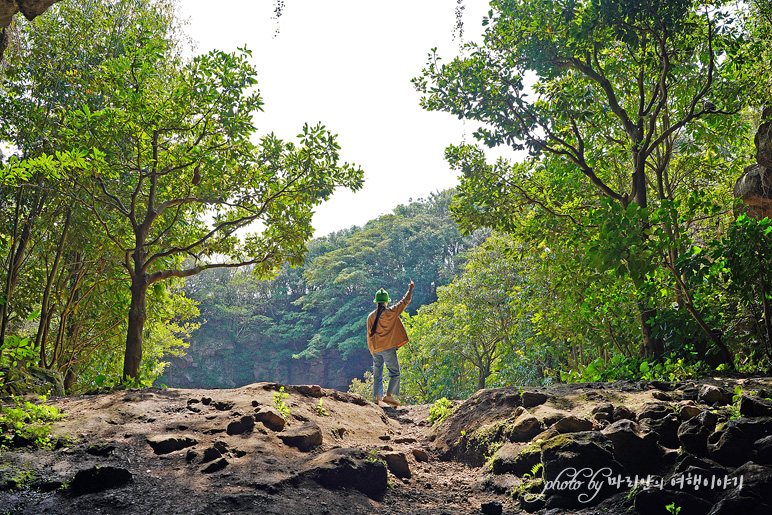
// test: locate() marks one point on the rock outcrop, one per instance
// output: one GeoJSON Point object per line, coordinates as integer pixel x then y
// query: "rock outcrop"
{"type": "Point", "coordinates": [754, 187]}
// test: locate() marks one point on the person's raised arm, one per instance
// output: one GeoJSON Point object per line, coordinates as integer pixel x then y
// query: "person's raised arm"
{"type": "Point", "coordinates": [402, 304]}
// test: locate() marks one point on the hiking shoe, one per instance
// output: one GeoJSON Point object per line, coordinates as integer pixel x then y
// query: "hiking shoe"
{"type": "Point", "coordinates": [391, 401]}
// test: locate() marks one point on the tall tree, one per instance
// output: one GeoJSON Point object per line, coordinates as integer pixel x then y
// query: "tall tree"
{"type": "Point", "coordinates": [173, 147]}
{"type": "Point", "coordinates": [621, 89]}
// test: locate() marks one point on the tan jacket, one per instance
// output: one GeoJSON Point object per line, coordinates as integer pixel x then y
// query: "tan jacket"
{"type": "Point", "coordinates": [390, 332]}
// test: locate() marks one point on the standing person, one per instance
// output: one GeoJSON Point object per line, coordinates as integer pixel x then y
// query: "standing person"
{"type": "Point", "coordinates": [386, 334]}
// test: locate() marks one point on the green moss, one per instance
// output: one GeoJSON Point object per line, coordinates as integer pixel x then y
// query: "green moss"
{"type": "Point", "coordinates": [527, 488]}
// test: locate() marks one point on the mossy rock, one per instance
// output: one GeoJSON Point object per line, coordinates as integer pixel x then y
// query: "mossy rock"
{"type": "Point", "coordinates": [31, 380]}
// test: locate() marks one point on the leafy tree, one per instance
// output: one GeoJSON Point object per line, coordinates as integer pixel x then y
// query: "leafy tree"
{"type": "Point", "coordinates": [474, 326]}
{"type": "Point", "coordinates": [623, 103]}
{"type": "Point", "coordinates": [159, 151]}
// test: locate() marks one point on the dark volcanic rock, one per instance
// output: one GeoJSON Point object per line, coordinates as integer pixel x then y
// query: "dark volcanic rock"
{"type": "Point", "coordinates": [514, 458]}
{"type": "Point", "coordinates": [397, 464]}
{"type": "Point", "coordinates": [492, 508]}
{"type": "Point", "coordinates": [163, 444]}
{"type": "Point", "coordinates": [525, 426]}
{"type": "Point", "coordinates": [304, 438]}
{"type": "Point", "coordinates": [348, 468]}
{"type": "Point", "coordinates": [210, 454]}
{"type": "Point", "coordinates": [666, 429]}
{"type": "Point", "coordinates": [654, 501]}
{"type": "Point", "coordinates": [754, 427]}
{"type": "Point", "coordinates": [693, 436]}
{"type": "Point", "coordinates": [580, 455]}
{"type": "Point", "coordinates": [215, 466]}
{"type": "Point", "coordinates": [270, 419]}
{"type": "Point", "coordinates": [763, 448]}
{"type": "Point", "coordinates": [483, 408]}
{"type": "Point", "coordinates": [603, 411]}
{"type": "Point", "coordinates": [100, 449]}
{"type": "Point", "coordinates": [636, 450]}
{"type": "Point", "coordinates": [420, 455]}
{"type": "Point", "coordinates": [623, 412]}
{"type": "Point", "coordinates": [736, 503]}
{"type": "Point", "coordinates": [730, 446]}
{"type": "Point", "coordinates": [531, 399]}
{"type": "Point", "coordinates": [654, 411]}
{"type": "Point", "coordinates": [98, 479]}
{"type": "Point", "coordinates": [244, 425]}
{"type": "Point", "coordinates": [572, 424]}
{"type": "Point", "coordinates": [710, 394]}
{"type": "Point", "coordinates": [755, 407]}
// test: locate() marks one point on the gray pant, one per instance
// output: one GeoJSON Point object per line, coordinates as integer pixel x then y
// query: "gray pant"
{"type": "Point", "coordinates": [388, 356]}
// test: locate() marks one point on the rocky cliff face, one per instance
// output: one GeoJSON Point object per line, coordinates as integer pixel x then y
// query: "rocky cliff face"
{"type": "Point", "coordinates": [29, 8]}
{"type": "Point", "coordinates": [754, 186]}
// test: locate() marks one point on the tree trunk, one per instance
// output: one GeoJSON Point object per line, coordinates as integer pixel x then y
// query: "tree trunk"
{"type": "Point", "coordinates": [137, 318]}
{"type": "Point", "coordinates": [16, 258]}
{"type": "Point", "coordinates": [651, 346]}
{"type": "Point", "coordinates": [481, 377]}
{"type": "Point", "coordinates": [46, 311]}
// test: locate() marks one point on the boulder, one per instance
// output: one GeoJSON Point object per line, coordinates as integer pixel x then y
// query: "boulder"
{"type": "Point", "coordinates": [623, 412]}
{"type": "Point", "coordinates": [736, 502]}
{"type": "Point", "coordinates": [211, 454]}
{"type": "Point", "coordinates": [572, 424]}
{"type": "Point", "coordinates": [29, 8]}
{"type": "Point", "coordinates": [688, 411]}
{"type": "Point", "coordinates": [730, 446]}
{"type": "Point", "coordinates": [420, 455]}
{"type": "Point", "coordinates": [100, 449]}
{"type": "Point", "coordinates": [654, 410]}
{"type": "Point", "coordinates": [711, 395]}
{"type": "Point", "coordinates": [756, 482]}
{"type": "Point", "coordinates": [693, 436]}
{"type": "Point", "coordinates": [570, 462]}
{"type": "Point", "coordinates": [636, 450]}
{"type": "Point", "coordinates": [763, 448]}
{"type": "Point", "coordinates": [531, 399]}
{"type": "Point", "coordinates": [666, 429]}
{"type": "Point", "coordinates": [491, 508]}
{"type": "Point", "coordinates": [243, 425]}
{"type": "Point", "coordinates": [164, 444]}
{"type": "Point", "coordinates": [310, 390]}
{"type": "Point", "coordinates": [755, 407]}
{"type": "Point", "coordinates": [31, 380]}
{"type": "Point", "coordinates": [270, 419]}
{"type": "Point", "coordinates": [513, 458]}
{"type": "Point", "coordinates": [303, 438]}
{"type": "Point", "coordinates": [397, 464]}
{"type": "Point", "coordinates": [753, 427]}
{"type": "Point", "coordinates": [215, 466]}
{"type": "Point", "coordinates": [665, 386]}
{"type": "Point", "coordinates": [753, 187]}
{"type": "Point", "coordinates": [99, 479]}
{"type": "Point", "coordinates": [763, 140]}
{"type": "Point", "coordinates": [603, 411]}
{"type": "Point", "coordinates": [348, 468]}
{"type": "Point", "coordinates": [525, 427]}
{"type": "Point", "coordinates": [661, 396]}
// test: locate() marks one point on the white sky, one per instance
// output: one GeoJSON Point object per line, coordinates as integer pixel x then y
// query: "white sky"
{"type": "Point", "coordinates": [348, 65]}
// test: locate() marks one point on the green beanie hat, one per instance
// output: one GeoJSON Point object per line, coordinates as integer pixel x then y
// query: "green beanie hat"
{"type": "Point", "coordinates": [381, 296]}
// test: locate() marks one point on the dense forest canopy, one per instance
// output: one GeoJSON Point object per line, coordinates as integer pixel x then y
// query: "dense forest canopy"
{"type": "Point", "coordinates": [616, 249]}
